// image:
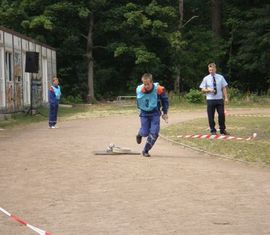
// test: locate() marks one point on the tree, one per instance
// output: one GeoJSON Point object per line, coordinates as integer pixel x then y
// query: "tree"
{"type": "Point", "coordinates": [248, 48]}
{"type": "Point", "coordinates": [94, 8]}
{"type": "Point", "coordinates": [178, 48]}
{"type": "Point", "coordinates": [178, 67]}
{"type": "Point", "coordinates": [141, 37]}
{"type": "Point", "coordinates": [216, 17]}
{"type": "Point", "coordinates": [104, 46]}
{"type": "Point", "coordinates": [90, 59]}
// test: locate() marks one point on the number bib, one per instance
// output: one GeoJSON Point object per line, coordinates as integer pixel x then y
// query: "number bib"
{"type": "Point", "coordinates": [147, 101]}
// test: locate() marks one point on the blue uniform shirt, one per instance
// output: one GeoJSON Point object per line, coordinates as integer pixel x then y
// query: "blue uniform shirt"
{"type": "Point", "coordinates": [54, 94]}
{"type": "Point", "coordinates": [155, 99]}
{"type": "Point", "coordinates": [147, 101]}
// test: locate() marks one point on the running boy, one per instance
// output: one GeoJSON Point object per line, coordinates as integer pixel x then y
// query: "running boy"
{"type": "Point", "coordinates": [54, 97]}
{"type": "Point", "coordinates": [150, 98]}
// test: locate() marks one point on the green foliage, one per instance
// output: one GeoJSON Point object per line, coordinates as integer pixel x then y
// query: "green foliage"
{"type": "Point", "coordinates": [234, 94]}
{"type": "Point", "coordinates": [71, 100]}
{"type": "Point", "coordinates": [83, 12]}
{"type": "Point", "coordinates": [39, 21]}
{"type": "Point", "coordinates": [131, 38]}
{"type": "Point", "coordinates": [194, 96]}
{"type": "Point", "coordinates": [176, 41]}
{"type": "Point", "coordinates": [145, 57]}
{"type": "Point", "coordinates": [121, 49]}
{"type": "Point", "coordinates": [249, 44]}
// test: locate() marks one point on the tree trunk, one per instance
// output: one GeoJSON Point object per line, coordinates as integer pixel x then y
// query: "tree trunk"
{"type": "Point", "coordinates": [181, 13]}
{"type": "Point", "coordinates": [90, 61]}
{"type": "Point", "coordinates": [216, 17]}
{"type": "Point", "coordinates": [177, 81]}
{"type": "Point", "coordinates": [178, 69]}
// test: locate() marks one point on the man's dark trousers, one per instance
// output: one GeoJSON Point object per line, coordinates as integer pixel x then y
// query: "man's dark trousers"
{"type": "Point", "coordinates": [218, 105]}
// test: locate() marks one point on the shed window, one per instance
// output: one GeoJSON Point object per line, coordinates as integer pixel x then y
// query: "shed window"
{"type": "Point", "coordinates": [8, 60]}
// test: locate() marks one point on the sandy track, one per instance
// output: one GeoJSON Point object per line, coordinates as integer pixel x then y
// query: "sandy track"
{"type": "Point", "coordinates": [51, 179]}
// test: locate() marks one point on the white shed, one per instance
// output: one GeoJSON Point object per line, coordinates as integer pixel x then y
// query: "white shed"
{"type": "Point", "coordinates": [20, 89]}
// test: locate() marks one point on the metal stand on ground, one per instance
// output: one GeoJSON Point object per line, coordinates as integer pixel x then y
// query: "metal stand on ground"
{"type": "Point", "coordinates": [31, 66]}
{"type": "Point", "coordinates": [31, 111]}
{"type": "Point", "coordinates": [112, 149]}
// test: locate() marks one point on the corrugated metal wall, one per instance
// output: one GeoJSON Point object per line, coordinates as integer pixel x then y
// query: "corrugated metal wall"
{"type": "Point", "coordinates": [16, 85]}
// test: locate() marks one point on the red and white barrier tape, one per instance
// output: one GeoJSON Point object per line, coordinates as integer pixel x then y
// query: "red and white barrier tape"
{"type": "Point", "coordinates": [217, 137]}
{"type": "Point", "coordinates": [19, 220]}
{"type": "Point", "coordinates": [248, 115]}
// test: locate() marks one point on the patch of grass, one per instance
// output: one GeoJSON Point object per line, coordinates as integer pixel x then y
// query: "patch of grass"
{"type": "Point", "coordinates": [67, 113]}
{"type": "Point", "coordinates": [20, 119]}
{"type": "Point", "coordinates": [256, 150]}
{"type": "Point", "coordinates": [100, 110]}
{"type": "Point", "coordinates": [237, 99]}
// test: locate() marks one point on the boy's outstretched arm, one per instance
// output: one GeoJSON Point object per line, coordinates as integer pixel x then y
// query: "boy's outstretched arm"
{"type": "Point", "coordinates": [164, 102]}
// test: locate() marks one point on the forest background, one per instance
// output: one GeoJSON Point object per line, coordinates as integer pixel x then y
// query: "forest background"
{"type": "Point", "coordinates": [104, 46]}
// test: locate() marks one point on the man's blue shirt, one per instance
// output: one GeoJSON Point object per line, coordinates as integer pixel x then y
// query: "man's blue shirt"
{"type": "Point", "coordinates": [220, 84]}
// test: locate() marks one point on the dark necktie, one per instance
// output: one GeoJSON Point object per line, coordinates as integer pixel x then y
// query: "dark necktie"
{"type": "Point", "coordinates": [214, 85]}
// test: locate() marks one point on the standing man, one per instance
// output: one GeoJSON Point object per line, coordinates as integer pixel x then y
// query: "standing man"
{"type": "Point", "coordinates": [150, 98]}
{"type": "Point", "coordinates": [54, 97]}
{"type": "Point", "coordinates": [215, 87]}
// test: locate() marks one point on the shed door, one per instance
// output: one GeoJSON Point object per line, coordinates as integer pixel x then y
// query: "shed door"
{"type": "Point", "coordinates": [18, 81]}
{"type": "Point", "coordinates": [9, 81]}
{"type": "Point", "coordinates": [45, 79]}
{"type": "Point", "coordinates": [26, 85]}
{"type": "Point", "coordinates": [2, 80]}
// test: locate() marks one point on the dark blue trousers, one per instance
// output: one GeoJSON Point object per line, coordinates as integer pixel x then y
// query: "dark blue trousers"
{"type": "Point", "coordinates": [150, 127]}
{"type": "Point", "coordinates": [212, 106]}
{"type": "Point", "coordinates": [53, 110]}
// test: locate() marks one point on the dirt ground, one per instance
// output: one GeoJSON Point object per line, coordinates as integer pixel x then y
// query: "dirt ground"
{"type": "Point", "coordinates": [51, 179]}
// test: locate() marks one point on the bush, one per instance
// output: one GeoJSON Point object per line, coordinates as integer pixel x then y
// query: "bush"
{"type": "Point", "coordinates": [235, 94]}
{"type": "Point", "coordinates": [194, 96]}
{"type": "Point", "coordinates": [72, 100]}
{"type": "Point", "coordinates": [252, 98]}
{"type": "Point", "coordinates": [175, 99]}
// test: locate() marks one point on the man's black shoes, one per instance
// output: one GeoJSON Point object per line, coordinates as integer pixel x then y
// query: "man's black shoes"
{"type": "Point", "coordinates": [138, 139]}
{"type": "Point", "coordinates": [221, 132]}
{"type": "Point", "coordinates": [224, 132]}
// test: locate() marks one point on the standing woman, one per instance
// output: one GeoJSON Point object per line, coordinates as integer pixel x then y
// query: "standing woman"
{"type": "Point", "coordinates": [54, 97]}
